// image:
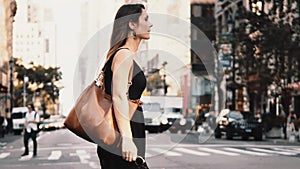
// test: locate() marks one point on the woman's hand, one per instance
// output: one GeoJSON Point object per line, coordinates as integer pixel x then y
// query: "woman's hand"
{"type": "Point", "coordinates": [129, 150]}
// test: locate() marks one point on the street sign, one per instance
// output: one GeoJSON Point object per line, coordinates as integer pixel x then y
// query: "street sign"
{"type": "Point", "coordinates": [225, 38]}
{"type": "Point", "coordinates": [225, 60]}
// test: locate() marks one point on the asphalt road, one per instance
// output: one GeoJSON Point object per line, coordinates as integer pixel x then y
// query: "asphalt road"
{"type": "Point", "coordinates": [61, 149]}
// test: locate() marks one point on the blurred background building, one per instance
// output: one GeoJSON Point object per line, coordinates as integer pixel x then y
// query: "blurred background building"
{"type": "Point", "coordinates": [7, 12]}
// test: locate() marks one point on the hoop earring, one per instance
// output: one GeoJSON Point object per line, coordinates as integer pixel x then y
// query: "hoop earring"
{"type": "Point", "coordinates": [134, 34]}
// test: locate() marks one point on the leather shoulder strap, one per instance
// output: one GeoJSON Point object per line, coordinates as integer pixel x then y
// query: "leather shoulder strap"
{"type": "Point", "coordinates": [110, 58]}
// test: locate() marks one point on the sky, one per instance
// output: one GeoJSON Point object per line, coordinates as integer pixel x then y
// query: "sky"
{"type": "Point", "coordinates": [67, 17]}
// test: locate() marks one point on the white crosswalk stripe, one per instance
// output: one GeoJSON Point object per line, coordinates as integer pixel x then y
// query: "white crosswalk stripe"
{"type": "Point", "coordinates": [148, 155]}
{"type": "Point", "coordinates": [166, 152]}
{"type": "Point", "coordinates": [4, 155]}
{"type": "Point", "coordinates": [83, 156]}
{"type": "Point", "coordinates": [245, 151]}
{"type": "Point", "coordinates": [193, 152]}
{"type": "Point", "coordinates": [26, 158]}
{"type": "Point", "coordinates": [272, 151]}
{"type": "Point", "coordinates": [55, 155]}
{"type": "Point", "coordinates": [218, 151]}
{"type": "Point", "coordinates": [287, 150]}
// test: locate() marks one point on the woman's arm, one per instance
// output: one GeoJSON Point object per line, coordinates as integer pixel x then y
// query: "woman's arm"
{"type": "Point", "coordinates": [121, 69]}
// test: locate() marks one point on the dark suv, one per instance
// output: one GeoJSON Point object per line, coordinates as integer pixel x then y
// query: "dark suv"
{"type": "Point", "coordinates": [236, 123]}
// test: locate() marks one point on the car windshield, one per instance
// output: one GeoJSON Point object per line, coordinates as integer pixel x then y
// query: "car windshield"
{"type": "Point", "coordinates": [173, 110]}
{"type": "Point", "coordinates": [235, 115]}
{"type": "Point", "coordinates": [18, 115]}
{"type": "Point", "coordinates": [151, 107]}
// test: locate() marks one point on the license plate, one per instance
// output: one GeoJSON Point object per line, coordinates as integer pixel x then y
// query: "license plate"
{"type": "Point", "coordinates": [248, 130]}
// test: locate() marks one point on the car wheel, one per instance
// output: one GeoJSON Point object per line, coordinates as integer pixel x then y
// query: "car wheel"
{"type": "Point", "coordinates": [245, 137]}
{"type": "Point", "coordinates": [258, 135]}
{"type": "Point", "coordinates": [218, 135]}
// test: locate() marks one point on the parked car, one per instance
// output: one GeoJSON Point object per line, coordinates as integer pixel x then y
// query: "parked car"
{"type": "Point", "coordinates": [18, 119]}
{"type": "Point", "coordinates": [173, 119]}
{"type": "Point", "coordinates": [237, 123]}
{"type": "Point", "coordinates": [152, 115]}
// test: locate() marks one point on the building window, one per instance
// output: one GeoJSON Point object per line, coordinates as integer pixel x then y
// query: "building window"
{"type": "Point", "coordinates": [207, 11]}
{"type": "Point", "coordinates": [47, 45]}
{"type": "Point", "coordinates": [194, 34]}
{"type": "Point", "coordinates": [196, 10]}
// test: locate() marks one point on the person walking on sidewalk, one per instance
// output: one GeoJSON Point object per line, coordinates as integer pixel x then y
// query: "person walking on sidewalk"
{"type": "Point", "coordinates": [31, 129]}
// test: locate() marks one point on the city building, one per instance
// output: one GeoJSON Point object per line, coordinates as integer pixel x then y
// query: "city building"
{"type": "Point", "coordinates": [34, 34]}
{"type": "Point", "coordinates": [202, 54]}
{"type": "Point", "coordinates": [241, 91]}
{"type": "Point", "coordinates": [8, 10]}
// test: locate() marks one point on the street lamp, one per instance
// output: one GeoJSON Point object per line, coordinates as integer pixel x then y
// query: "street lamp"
{"type": "Point", "coordinates": [25, 80]}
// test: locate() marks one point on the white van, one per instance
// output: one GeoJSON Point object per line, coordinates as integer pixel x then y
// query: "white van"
{"type": "Point", "coordinates": [18, 118]}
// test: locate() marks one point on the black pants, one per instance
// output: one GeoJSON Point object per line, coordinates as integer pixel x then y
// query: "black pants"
{"type": "Point", "coordinates": [111, 157]}
{"type": "Point", "coordinates": [27, 136]}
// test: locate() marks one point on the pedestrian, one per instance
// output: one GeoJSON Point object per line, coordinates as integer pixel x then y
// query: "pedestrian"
{"type": "Point", "coordinates": [131, 25]}
{"type": "Point", "coordinates": [292, 118]}
{"type": "Point", "coordinates": [32, 118]}
{"type": "Point", "coordinates": [1, 126]}
{"type": "Point", "coordinates": [4, 126]}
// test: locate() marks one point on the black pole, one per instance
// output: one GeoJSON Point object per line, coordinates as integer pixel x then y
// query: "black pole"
{"type": "Point", "coordinates": [233, 74]}
{"type": "Point", "coordinates": [11, 63]}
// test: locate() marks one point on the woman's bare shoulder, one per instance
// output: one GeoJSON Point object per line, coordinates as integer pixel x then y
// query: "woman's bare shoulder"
{"type": "Point", "coordinates": [124, 55]}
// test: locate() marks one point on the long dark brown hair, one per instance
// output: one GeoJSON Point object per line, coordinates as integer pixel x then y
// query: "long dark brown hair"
{"type": "Point", "coordinates": [127, 13]}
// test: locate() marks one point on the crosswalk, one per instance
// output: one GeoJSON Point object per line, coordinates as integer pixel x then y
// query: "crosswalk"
{"type": "Point", "coordinates": [85, 155]}
{"type": "Point", "coordinates": [225, 151]}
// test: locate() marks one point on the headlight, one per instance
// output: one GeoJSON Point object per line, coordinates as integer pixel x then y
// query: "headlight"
{"type": "Point", "coordinates": [164, 121]}
{"type": "Point", "coordinates": [182, 122]}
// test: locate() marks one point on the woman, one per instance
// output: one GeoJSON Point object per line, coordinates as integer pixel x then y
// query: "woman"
{"type": "Point", "coordinates": [131, 25]}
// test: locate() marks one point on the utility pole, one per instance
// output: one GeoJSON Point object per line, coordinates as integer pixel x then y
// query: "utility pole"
{"type": "Point", "coordinates": [25, 80]}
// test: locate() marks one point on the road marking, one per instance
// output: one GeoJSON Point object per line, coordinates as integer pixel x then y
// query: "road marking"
{"type": "Point", "coordinates": [148, 155]}
{"type": "Point", "coordinates": [286, 150]}
{"type": "Point", "coordinates": [245, 151]}
{"type": "Point", "coordinates": [94, 165]}
{"type": "Point", "coordinates": [26, 158]}
{"type": "Point", "coordinates": [184, 150]}
{"type": "Point", "coordinates": [273, 152]}
{"type": "Point", "coordinates": [83, 156]}
{"type": "Point", "coordinates": [55, 155]}
{"type": "Point", "coordinates": [3, 144]}
{"type": "Point", "coordinates": [166, 152]}
{"type": "Point", "coordinates": [218, 151]}
{"type": "Point", "coordinates": [4, 155]}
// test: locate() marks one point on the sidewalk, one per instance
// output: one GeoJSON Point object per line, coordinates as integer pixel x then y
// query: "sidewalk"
{"type": "Point", "coordinates": [288, 141]}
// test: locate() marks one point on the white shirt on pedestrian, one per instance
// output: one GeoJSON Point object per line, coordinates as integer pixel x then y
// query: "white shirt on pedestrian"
{"type": "Point", "coordinates": [30, 117]}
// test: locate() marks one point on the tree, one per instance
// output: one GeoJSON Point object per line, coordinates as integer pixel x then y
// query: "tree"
{"type": "Point", "coordinates": [268, 53]}
{"type": "Point", "coordinates": [42, 82]}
